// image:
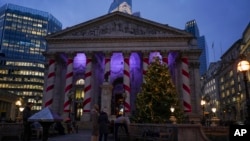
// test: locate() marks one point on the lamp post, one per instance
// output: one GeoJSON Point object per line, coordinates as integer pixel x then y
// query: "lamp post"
{"type": "Point", "coordinates": [214, 118]}
{"type": "Point", "coordinates": [18, 105]}
{"type": "Point", "coordinates": [243, 66]}
{"type": "Point", "coordinates": [172, 117]}
{"type": "Point", "coordinates": [203, 102]}
{"type": "Point", "coordinates": [214, 110]}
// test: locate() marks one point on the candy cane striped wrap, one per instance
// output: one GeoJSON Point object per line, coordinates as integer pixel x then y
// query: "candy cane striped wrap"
{"type": "Point", "coordinates": [87, 89]}
{"type": "Point", "coordinates": [165, 60]}
{"type": "Point", "coordinates": [68, 86]}
{"type": "Point", "coordinates": [186, 85]}
{"type": "Point", "coordinates": [126, 84]}
{"type": "Point", "coordinates": [50, 83]}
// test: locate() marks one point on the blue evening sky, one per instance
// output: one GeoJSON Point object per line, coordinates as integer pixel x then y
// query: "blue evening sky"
{"type": "Point", "coordinates": [221, 21]}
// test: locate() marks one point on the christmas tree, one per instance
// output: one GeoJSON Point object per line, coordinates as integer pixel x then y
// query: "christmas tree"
{"type": "Point", "coordinates": [158, 94]}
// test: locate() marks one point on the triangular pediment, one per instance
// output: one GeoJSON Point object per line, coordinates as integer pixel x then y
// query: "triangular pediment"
{"type": "Point", "coordinates": [118, 24]}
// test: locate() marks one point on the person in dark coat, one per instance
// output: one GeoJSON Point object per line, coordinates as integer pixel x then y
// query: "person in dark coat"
{"type": "Point", "coordinates": [27, 125]}
{"type": "Point", "coordinates": [103, 122]}
{"type": "Point", "coordinates": [94, 119]}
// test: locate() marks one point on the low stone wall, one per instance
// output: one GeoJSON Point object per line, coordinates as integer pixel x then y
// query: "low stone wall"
{"type": "Point", "coordinates": [11, 130]}
{"type": "Point", "coordinates": [192, 132]}
{"type": "Point", "coordinates": [181, 132]}
{"type": "Point", "coordinates": [172, 132]}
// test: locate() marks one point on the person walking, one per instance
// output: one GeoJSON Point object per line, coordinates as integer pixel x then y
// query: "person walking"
{"type": "Point", "coordinates": [94, 119]}
{"type": "Point", "coordinates": [27, 125]}
{"type": "Point", "coordinates": [103, 125]}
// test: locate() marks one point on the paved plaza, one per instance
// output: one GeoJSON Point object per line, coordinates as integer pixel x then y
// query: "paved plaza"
{"type": "Point", "coordinates": [82, 135]}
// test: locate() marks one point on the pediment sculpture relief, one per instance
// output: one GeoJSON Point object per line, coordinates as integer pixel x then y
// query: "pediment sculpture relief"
{"type": "Point", "coordinates": [121, 28]}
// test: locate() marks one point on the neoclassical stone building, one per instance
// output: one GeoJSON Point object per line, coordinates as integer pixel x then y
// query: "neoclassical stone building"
{"type": "Point", "coordinates": [102, 61]}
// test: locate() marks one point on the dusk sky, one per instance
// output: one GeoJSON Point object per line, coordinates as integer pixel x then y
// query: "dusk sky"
{"type": "Point", "coordinates": [222, 22]}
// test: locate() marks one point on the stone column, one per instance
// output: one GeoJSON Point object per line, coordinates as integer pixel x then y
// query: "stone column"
{"type": "Point", "coordinates": [194, 86]}
{"type": "Point", "coordinates": [69, 84]}
{"type": "Point", "coordinates": [195, 96]}
{"type": "Point", "coordinates": [186, 84]}
{"type": "Point", "coordinates": [106, 97]}
{"type": "Point", "coordinates": [50, 80]}
{"type": "Point", "coordinates": [87, 88]}
{"type": "Point", "coordinates": [165, 58]}
{"type": "Point", "coordinates": [126, 81]}
{"type": "Point", "coordinates": [107, 66]}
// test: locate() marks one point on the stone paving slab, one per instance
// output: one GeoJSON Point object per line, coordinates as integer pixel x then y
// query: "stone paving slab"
{"type": "Point", "coordinates": [82, 135]}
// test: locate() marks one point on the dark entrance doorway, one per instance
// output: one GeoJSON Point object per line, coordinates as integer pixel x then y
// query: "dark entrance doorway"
{"type": "Point", "coordinates": [117, 97]}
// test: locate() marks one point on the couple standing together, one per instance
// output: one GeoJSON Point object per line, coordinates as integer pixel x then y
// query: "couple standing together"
{"type": "Point", "coordinates": [100, 124]}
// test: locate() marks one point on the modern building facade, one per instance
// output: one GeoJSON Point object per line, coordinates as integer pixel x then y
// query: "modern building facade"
{"type": "Point", "coordinates": [22, 44]}
{"type": "Point", "coordinates": [102, 61]}
{"type": "Point", "coordinates": [192, 27]}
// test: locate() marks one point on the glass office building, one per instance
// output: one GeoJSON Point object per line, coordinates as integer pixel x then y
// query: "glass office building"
{"type": "Point", "coordinates": [122, 6]}
{"type": "Point", "coordinates": [22, 43]}
{"type": "Point", "coordinates": [191, 27]}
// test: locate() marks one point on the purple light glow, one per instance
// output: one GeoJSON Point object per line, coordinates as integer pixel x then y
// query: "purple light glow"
{"type": "Point", "coordinates": [171, 58]}
{"type": "Point", "coordinates": [154, 54]}
{"type": "Point", "coordinates": [134, 61]}
{"type": "Point", "coordinates": [79, 61]}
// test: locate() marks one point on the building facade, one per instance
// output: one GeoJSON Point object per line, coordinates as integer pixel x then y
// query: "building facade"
{"type": "Point", "coordinates": [224, 84]}
{"type": "Point", "coordinates": [113, 51]}
{"type": "Point", "coordinates": [22, 44]}
{"type": "Point", "coordinates": [9, 110]}
{"type": "Point", "coordinates": [210, 89]}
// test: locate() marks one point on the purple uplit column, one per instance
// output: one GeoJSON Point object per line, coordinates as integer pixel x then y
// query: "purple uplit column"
{"type": "Point", "coordinates": [69, 83]}
{"type": "Point", "coordinates": [145, 63]}
{"type": "Point", "coordinates": [126, 81]}
{"type": "Point", "coordinates": [88, 86]}
{"type": "Point", "coordinates": [186, 85]}
{"type": "Point", "coordinates": [50, 82]}
{"type": "Point", "coordinates": [107, 66]}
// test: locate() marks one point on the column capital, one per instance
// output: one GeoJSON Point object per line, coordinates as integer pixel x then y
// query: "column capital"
{"type": "Point", "coordinates": [88, 54]}
{"type": "Point", "coordinates": [126, 54]}
{"type": "Point", "coordinates": [71, 54]}
{"type": "Point", "coordinates": [108, 54]}
{"type": "Point", "coordinates": [194, 64]}
{"type": "Point", "coordinates": [145, 53]}
{"type": "Point", "coordinates": [164, 53]}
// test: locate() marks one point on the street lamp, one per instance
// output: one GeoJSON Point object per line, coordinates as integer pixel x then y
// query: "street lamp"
{"type": "Point", "coordinates": [18, 105]}
{"type": "Point", "coordinates": [203, 102]}
{"type": "Point", "coordinates": [172, 117]}
{"type": "Point", "coordinates": [172, 110]}
{"type": "Point", "coordinates": [214, 118]}
{"type": "Point", "coordinates": [243, 66]}
{"type": "Point", "coordinates": [214, 110]}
